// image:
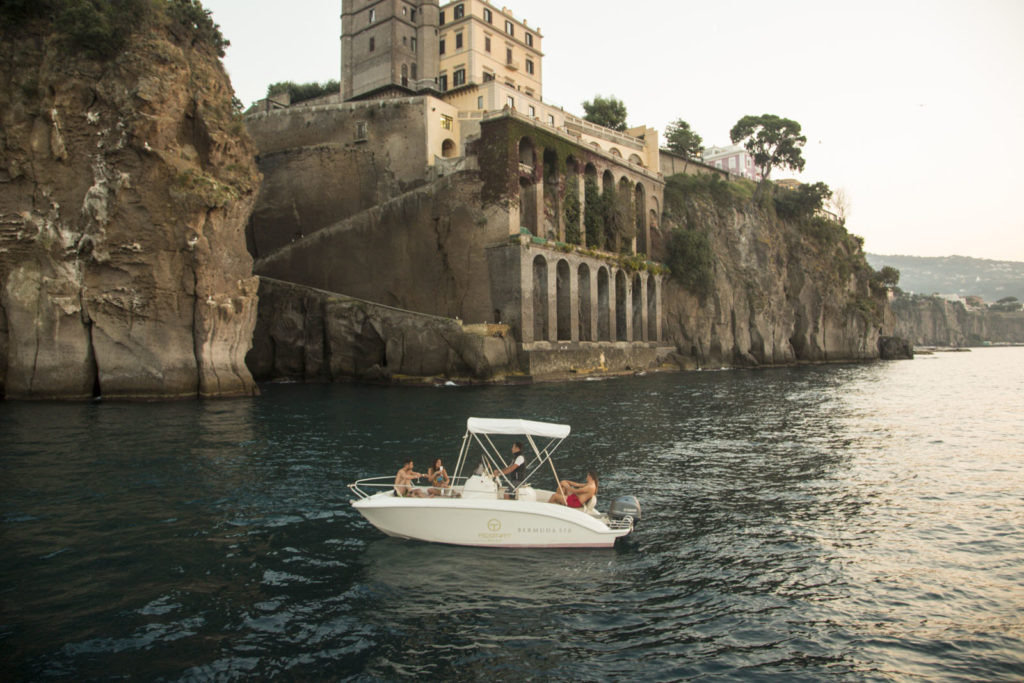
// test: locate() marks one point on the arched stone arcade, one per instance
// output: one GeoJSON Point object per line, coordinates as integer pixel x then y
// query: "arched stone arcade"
{"type": "Point", "coordinates": [574, 298]}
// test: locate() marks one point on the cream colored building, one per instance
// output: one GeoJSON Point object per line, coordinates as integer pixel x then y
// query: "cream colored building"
{"type": "Point", "coordinates": [478, 42]}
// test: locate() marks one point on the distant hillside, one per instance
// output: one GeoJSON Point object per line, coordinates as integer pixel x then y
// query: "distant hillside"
{"type": "Point", "coordinates": [963, 275]}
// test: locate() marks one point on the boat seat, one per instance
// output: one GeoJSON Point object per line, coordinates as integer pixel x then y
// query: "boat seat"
{"type": "Point", "coordinates": [589, 506]}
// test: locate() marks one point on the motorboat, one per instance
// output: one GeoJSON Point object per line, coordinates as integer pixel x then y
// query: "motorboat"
{"type": "Point", "coordinates": [488, 508]}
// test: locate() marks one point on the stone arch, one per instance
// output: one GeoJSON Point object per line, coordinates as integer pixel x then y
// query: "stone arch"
{"type": "Point", "coordinates": [624, 216]}
{"type": "Point", "coordinates": [607, 180]}
{"type": "Point", "coordinates": [583, 276]}
{"type": "Point", "coordinates": [552, 205]}
{"type": "Point", "coordinates": [638, 308]}
{"type": "Point", "coordinates": [591, 206]}
{"type": "Point", "coordinates": [448, 148]}
{"type": "Point", "coordinates": [604, 327]}
{"type": "Point", "coordinates": [640, 211]}
{"type": "Point", "coordinates": [563, 302]}
{"type": "Point", "coordinates": [595, 145]}
{"type": "Point", "coordinates": [540, 298]}
{"type": "Point", "coordinates": [573, 212]}
{"type": "Point", "coordinates": [652, 308]}
{"type": "Point", "coordinates": [527, 205]}
{"type": "Point", "coordinates": [635, 159]}
{"type": "Point", "coordinates": [614, 151]}
{"type": "Point", "coordinates": [621, 298]}
{"type": "Point", "coordinates": [527, 153]}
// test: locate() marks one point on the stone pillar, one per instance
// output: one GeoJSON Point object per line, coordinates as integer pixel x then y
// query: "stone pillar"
{"type": "Point", "coordinates": [629, 309]}
{"type": "Point", "coordinates": [643, 336]}
{"type": "Point", "coordinates": [613, 313]}
{"type": "Point", "coordinates": [552, 299]}
{"type": "Point", "coordinates": [657, 308]}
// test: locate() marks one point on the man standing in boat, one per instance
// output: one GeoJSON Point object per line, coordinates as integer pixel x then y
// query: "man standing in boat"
{"type": "Point", "coordinates": [573, 493]}
{"type": "Point", "coordinates": [517, 468]}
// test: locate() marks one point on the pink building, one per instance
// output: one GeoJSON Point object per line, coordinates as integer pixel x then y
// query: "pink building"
{"type": "Point", "coordinates": [735, 159]}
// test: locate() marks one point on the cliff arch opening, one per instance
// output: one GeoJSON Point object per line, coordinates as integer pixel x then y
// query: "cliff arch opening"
{"type": "Point", "coordinates": [585, 314]}
{"type": "Point", "coordinates": [638, 309]}
{"type": "Point", "coordinates": [604, 326]}
{"type": "Point", "coordinates": [540, 298]}
{"type": "Point", "coordinates": [563, 301]}
{"type": "Point", "coordinates": [527, 206]}
{"type": "Point", "coordinates": [621, 297]}
{"type": "Point", "coordinates": [448, 148]}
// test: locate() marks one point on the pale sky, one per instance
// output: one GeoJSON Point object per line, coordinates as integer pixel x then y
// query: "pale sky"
{"type": "Point", "coordinates": [914, 107]}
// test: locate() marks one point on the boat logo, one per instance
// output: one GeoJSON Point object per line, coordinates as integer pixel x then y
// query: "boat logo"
{"type": "Point", "coordinates": [494, 525]}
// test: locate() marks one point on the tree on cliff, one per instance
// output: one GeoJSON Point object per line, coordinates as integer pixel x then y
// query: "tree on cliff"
{"type": "Point", "coordinates": [1008, 304]}
{"type": "Point", "coordinates": [774, 142]}
{"type": "Point", "coordinates": [801, 203]}
{"type": "Point", "coordinates": [606, 111]}
{"type": "Point", "coordinates": [683, 140]}
{"type": "Point", "coordinates": [885, 278]}
{"type": "Point", "coordinates": [300, 92]}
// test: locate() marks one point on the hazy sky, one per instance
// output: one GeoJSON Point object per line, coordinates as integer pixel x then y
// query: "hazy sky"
{"type": "Point", "coordinates": [914, 107]}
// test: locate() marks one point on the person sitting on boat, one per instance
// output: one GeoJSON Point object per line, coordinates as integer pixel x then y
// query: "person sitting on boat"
{"type": "Point", "coordinates": [438, 477]}
{"type": "Point", "coordinates": [517, 468]}
{"type": "Point", "coordinates": [404, 479]}
{"type": "Point", "coordinates": [573, 493]}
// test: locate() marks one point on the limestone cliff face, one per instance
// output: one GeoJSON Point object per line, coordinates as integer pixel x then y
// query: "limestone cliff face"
{"type": "Point", "coordinates": [933, 321]}
{"type": "Point", "coordinates": [124, 190]}
{"type": "Point", "coordinates": [780, 292]}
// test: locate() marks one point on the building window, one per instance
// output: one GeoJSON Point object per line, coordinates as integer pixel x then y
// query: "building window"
{"type": "Point", "coordinates": [412, 44]}
{"type": "Point", "coordinates": [442, 82]}
{"type": "Point", "coordinates": [487, 43]}
{"type": "Point", "coordinates": [440, 46]}
{"type": "Point", "coordinates": [414, 71]}
{"type": "Point", "coordinates": [404, 40]}
{"type": "Point", "coordinates": [510, 101]}
{"type": "Point", "coordinates": [488, 17]}
{"type": "Point", "coordinates": [459, 12]}
{"type": "Point", "coordinates": [412, 16]}
{"type": "Point", "coordinates": [508, 55]}
{"type": "Point", "coordinates": [488, 76]}
{"type": "Point", "coordinates": [510, 28]}
{"type": "Point", "coordinates": [373, 15]}
{"type": "Point", "coordinates": [529, 39]}
{"type": "Point", "coordinates": [441, 22]}
{"type": "Point", "coordinates": [529, 66]}
{"type": "Point", "coordinates": [533, 111]}
{"type": "Point", "coordinates": [480, 102]}
{"type": "Point", "coordinates": [459, 78]}
{"type": "Point", "coordinates": [458, 41]}
{"type": "Point", "coordinates": [551, 119]}
{"type": "Point", "coordinates": [372, 44]}
{"type": "Point", "coordinates": [361, 131]}
{"type": "Point", "coordinates": [446, 122]}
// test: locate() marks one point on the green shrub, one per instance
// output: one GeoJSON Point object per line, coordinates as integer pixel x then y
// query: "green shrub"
{"type": "Point", "coordinates": [691, 260]}
{"type": "Point", "coordinates": [300, 92]}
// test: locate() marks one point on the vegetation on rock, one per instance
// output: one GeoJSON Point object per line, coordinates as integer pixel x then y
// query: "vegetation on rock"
{"type": "Point", "coordinates": [300, 92]}
{"type": "Point", "coordinates": [102, 28]}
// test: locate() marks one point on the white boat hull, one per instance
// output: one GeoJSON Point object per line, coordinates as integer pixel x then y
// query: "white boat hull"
{"type": "Point", "coordinates": [488, 522]}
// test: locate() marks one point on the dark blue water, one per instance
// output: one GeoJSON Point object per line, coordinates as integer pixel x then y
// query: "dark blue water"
{"type": "Point", "coordinates": [858, 522]}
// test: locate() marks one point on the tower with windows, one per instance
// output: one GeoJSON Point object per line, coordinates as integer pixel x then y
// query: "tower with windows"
{"type": "Point", "coordinates": [388, 47]}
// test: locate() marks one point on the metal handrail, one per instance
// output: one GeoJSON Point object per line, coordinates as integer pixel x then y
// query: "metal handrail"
{"type": "Point", "coordinates": [388, 482]}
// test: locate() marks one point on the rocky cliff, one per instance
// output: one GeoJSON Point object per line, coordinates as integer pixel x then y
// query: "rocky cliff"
{"type": "Point", "coordinates": [774, 291]}
{"type": "Point", "coordinates": [934, 321]}
{"type": "Point", "coordinates": [125, 184]}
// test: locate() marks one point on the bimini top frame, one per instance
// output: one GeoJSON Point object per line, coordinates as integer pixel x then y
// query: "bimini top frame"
{"type": "Point", "coordinates": [544, 439]}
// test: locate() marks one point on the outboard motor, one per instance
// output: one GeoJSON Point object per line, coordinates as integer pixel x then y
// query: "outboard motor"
{"type": "Point", "coordinates": [625, 506]}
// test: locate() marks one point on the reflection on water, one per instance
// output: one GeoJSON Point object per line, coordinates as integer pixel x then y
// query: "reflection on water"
{"type": "Point", "coordinates": [856, 521]}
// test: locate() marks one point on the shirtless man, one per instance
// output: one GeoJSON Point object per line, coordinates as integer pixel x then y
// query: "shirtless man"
{"type": "Point", "coordinates": [573, 493]}
{"type": "Point", "coordinates": [404, 479]}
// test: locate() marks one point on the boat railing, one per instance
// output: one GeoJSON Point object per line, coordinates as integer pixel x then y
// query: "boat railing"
{"type": "Point", "coordinates": [364, 488]}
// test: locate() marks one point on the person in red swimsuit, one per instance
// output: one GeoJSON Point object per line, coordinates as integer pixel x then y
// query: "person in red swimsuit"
{"type": "Point", "coordinates": [573, 493]}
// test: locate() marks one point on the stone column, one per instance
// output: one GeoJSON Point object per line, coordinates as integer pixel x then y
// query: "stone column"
{"type": "Point", "coordinates": [643, 336]}
{"type": "Point", "coordinates": [574, 301]}
{"type": "Point", "coordinates": [613, 314]}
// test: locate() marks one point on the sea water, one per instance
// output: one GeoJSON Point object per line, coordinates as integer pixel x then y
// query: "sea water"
{"type": "Point", "coordinates": [858, 522]}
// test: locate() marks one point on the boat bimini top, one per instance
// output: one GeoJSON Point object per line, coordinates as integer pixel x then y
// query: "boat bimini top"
{"type": "Point", "coordinates": [544, 439]}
